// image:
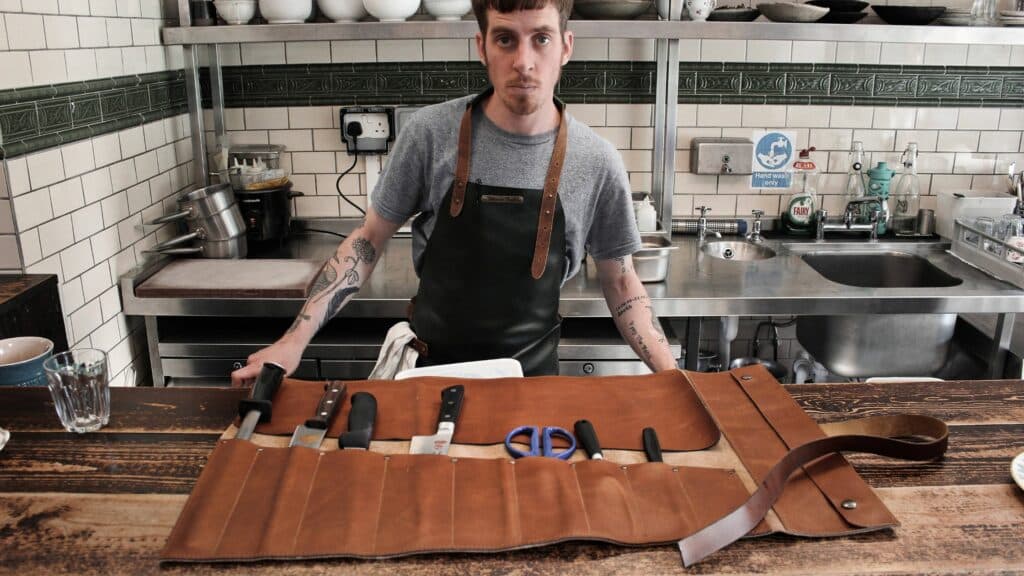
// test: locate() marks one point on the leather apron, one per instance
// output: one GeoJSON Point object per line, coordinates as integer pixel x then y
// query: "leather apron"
{"type": "Point", "coordinates": [492, 269]}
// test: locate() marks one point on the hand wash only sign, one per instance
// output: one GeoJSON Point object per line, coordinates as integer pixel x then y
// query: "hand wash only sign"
{"type": "Point", "coordinates": [773, 153]}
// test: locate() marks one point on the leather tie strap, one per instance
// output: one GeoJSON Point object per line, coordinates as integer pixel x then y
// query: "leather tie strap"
{"type": "Point", "coordinates": [548, 203]}
{"type": "Point", "coordinates": [874, 435]}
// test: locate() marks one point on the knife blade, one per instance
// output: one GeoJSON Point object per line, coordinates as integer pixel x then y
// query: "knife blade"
{"type": "Point", "coordinates": [451, 405]}
{"type": "Point", "coordinates": [652, 447]}
{"type": "Point", "coordinates": [312, 433]}
{"type": "Point", "coordinates": [587, 437]}
{"type": "Point", "coordinates": [257, 407]}
{"type": "Point", "coordinates": [361, 419]}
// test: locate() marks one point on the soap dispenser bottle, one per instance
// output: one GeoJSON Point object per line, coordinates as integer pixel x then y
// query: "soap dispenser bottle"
{"type": "Point", "coordinates": [906, 194]}
{"type": "Point", "coordinates": [646, 215]}
{"type": "Point", "coordinates": [798, 217]}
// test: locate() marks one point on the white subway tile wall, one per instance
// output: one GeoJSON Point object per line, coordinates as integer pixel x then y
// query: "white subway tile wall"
{"type": "Point", "coordinates": [77, 213]}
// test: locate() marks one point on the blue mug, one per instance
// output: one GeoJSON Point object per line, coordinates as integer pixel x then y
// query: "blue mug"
{"type": "Point", "coordinates": [21, 360]}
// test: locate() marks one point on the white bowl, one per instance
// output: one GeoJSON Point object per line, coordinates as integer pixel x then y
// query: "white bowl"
{"type": "Point", "coordinates": [286, 11]}
{"type": "Point", "coordinates": [448, 9]}
{"type": "Point", "coordinates": [235, 11]}
{"type": "Point", "coordinates": [343, 10]}
{"type": "Point", "coordinates": [391, 10]}
{"type": "Point", "coordinates": [792, 12]}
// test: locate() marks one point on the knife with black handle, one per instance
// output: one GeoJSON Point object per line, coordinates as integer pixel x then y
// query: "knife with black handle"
{"type": "Point", "coordinates": [651, 445]}
{"type": "Point", "coordinates": [257, 407]}
{"type": "Point", "coordinates": [587, 437]}
{"type": "Point", "coordinates": [312, 432]}
{"type": "Point", "coordinates": [361, 419]}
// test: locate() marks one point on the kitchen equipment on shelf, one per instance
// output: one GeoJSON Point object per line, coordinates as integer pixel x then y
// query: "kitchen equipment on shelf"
{"type": "Point", "coordinates": [540, 442]}
{"type": "Point", "coordinates": [792, 12]}
{"type": "Point", "coordinates": [698, 10]}
{"type": "Point", "coordinates": [448, 9]}
{"type": "Point", "coordinates": [212, 217]}
{"type": "Point", "coordinates": [737, 14]}
{"type": "Point", "coordinates": [909, 15]}
{"type": "Point", "coordinates": [203, 12]}
{"type": "Point", "coordinates": [842, 11]}
{"type": "Point", "coordinates": [236, 11]}
{"type": "Point", "coordinates": [256, 166]}
{"type": "Point", "coordinates": [311, 433]}
{"type": "Point", "coordinates": [343, 10]}
{"type": "Point", "coordinates": [391, 10]}
{"type": "Point", "coordinates": [448, 415]}
{"type": "Point", "coordinates": [612, 9]}
{"type": "Point", "coordinates": [267, 215]}
{"type": "Point", "coordinates": [286, 11]}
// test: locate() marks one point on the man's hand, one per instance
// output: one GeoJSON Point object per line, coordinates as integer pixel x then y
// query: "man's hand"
{"type": "Point", "coordinates": [285, 353]}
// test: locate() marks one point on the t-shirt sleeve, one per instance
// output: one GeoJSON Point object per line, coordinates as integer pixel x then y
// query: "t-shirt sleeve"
{"type": "Point", "coordinates": [403, 183]}
{"type": "Point", "coordinates": [613, 233]}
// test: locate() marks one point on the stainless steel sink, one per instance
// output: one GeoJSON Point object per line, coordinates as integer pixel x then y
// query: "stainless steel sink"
{"type": "Point", "coordinates": [860, 346]}
{"type": "Point", "coordinates": [880, 270]}
{"type": "Point", "coordinates": [740, 251]}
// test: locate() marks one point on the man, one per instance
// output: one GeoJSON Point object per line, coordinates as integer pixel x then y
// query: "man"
{"type": "Point", "coordinates": [511, 192]}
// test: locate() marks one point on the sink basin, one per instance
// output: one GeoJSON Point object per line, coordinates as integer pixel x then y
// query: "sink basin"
{"type": "Point", "coordinates": [880, 270]}
{"type": "Point", "coordinates": [741, 251]}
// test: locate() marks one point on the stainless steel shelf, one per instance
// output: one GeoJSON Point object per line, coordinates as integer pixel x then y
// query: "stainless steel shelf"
{"type": "Point", "coordinates": [650, 29]}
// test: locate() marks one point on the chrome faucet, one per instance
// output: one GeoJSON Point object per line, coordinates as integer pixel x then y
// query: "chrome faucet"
{"type": "Point", "coordinates": [754, 236]}
{"type": "Point", "coordinates": [702, 225]}
{"type": "Point", "coordinates": [847, 224]}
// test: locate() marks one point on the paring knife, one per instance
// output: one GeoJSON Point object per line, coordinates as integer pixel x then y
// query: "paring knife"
{"type": "Point", "coordinates": [257, 407]}
{"type": "Point", "coordinates": [651, 445]}
{"type": "Point", "coordinates": [587, 437]}
{"type": "Point", "coordinates": [360, 422]}
{"type": "Point", "coordinates": [451, 405]}
{"type": "Point", "coordinates": [313, 431]}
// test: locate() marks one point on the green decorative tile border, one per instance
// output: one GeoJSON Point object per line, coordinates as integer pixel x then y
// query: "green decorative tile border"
{"type": "Point", "coordinates": [44, 116]}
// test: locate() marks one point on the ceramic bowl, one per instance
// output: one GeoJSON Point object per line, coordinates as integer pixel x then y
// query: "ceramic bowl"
{"type": "Point", "coordinates": [842, 17]}
{"type": "Point", "coordinates": [235, 11]}
{"type": "Point", "coordinates": [792, 12]}
{"type": "Point", "coordinates": [733, 15]}
{"type": "Point", "coordinates": [840, 5]}
{"type": "Point", "coordinates": [448, 9]}
{"type": "Point", "coordinates": [21, 360]}
{"type": "Point", "coordinates": [909, 15]}
{"type": "Point", "coordinates": [286, 11]}
{"type": "Point", "coordinates": [391, 10]}
{"type": "Point", "coordinates": [342, 10]}
{"type": "Point", "coordinates": [612, 9]}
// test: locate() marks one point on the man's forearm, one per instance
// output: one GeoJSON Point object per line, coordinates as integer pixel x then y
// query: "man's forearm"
{"type": "Point", "coordinates": [635, 318]}
{"type": "Point", "coordinates": [339, 280]}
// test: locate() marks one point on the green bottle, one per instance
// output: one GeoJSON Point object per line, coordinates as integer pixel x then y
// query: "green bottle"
{"type": "Point", "coordinates": [798, 218]}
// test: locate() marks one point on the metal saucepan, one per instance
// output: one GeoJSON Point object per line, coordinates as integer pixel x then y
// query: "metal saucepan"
{"type": "Point", "coordinates": [233, 248]}
{"type": "Point", "coordinates": [200, 203]}
{"type": "Point", "coordinates": [777, 369]}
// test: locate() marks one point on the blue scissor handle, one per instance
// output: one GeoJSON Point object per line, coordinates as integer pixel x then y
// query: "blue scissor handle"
{"type": "Point", "coordinates": [540, 442]}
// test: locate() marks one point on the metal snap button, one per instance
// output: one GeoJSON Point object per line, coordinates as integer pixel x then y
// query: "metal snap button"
{"type": "Point", "coordinates": [849, 504]}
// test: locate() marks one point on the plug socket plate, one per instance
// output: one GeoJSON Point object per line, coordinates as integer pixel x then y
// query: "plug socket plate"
{"type": "Point", "coordinates": [377, 125]}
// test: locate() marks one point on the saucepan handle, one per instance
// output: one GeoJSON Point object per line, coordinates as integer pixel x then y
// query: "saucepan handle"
{"type": "Point", "coordinates": [295, 195]}
{"type": "Point", "coordinates": [175, 241]}
{"type": "Point", "coordinates": [178, 251]}
{"type": "Point", "coordinates": [168, 218]}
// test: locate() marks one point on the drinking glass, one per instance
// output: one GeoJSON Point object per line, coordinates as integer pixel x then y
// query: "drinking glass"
{"type": "Point", "coordinates": [79, 387]}
{"type": "Point", "coordinates": [1011, 231]}
{"type": "Point", "coordinates": [987, 225]}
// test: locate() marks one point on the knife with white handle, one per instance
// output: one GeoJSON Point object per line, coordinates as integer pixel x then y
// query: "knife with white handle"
{"type": "Point", "coordinates": [451, 405]}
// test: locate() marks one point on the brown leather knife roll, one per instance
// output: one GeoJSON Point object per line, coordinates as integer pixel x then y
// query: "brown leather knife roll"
{"type": "Point", "coordinates": [620, 407]}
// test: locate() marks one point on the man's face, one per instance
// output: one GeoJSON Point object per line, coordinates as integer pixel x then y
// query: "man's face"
{"type": "Point", "coordinates": [524, 53]}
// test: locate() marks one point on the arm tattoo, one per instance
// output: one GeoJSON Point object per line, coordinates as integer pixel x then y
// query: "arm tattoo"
{"type": "Point", "coordinates": [656, 325]}
{"type": "Point", "coordinates": [644, 350]}
{"type": "Point", "coordinates": [364, 252]}
{"type": "Point", "coordinates": [337, 301]}
{"type": "Point", "coordinates": [628, 305]}
{"type": "Point", "coordinates": [622, 264]}
{"type": "Point", "coordinates": [298, 320]}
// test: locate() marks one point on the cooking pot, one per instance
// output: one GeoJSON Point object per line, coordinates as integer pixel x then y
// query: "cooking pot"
{"type": "Point", "coordinates": [200, 203]}
{"type": "Point", "coordinates": [232, 248]}
{"type": "Point", "coordinates": [267, 214]}
{"type": "Point", "coordinates": [777, 370]}
{"type": "Point", "coordinates": [211, 216]}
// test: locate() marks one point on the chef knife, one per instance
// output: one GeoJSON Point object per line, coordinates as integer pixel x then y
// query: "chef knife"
{"type": "Point", "coordinates": [651, 445]}
{"type": "Point", "coordinates": [587, 437]}
{"type": "Point", "coordinates": [313, 431]}
{"type": "Point", "coordinates": [257, 407]}
{"type": "Point", "coordinates": [360, 422]}
{"type": "Point", "coordinates": [451, 405]}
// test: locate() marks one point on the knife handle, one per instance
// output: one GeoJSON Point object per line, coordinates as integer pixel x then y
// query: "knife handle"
{"type": "Point", "coordinates": [360, 422]}
{"type": "Point", "coordinates": [263, 392]}
{"type": "Point", "coordinates": [451, 403]}
{"type": "Point", "coordinates": [587, 437]}
{"type": "Point", "coordinates": [651, 445]}
{"type": "Point", "coordinates": [328, 405]}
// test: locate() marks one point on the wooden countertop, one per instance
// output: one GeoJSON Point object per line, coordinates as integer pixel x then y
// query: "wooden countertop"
{"type": "Point", "coordinates": [104, 503]}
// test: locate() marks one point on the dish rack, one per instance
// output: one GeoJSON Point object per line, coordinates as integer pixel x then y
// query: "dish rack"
{"type": "Point", "coordinates": [986, 252]}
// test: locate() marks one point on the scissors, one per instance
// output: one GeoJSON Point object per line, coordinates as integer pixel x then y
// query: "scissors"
{"type": "Point", "coordinates": [540, 442]}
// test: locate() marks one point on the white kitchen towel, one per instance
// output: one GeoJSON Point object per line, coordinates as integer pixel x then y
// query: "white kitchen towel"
{"type": "Point", "coordinates": [395, 354]}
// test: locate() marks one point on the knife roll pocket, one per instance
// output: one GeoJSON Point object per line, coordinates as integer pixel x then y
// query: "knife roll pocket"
{"type": "Point", "coordinates": [276, 503]}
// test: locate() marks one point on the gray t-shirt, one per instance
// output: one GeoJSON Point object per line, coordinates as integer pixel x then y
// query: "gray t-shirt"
{"type": "Point", "coordinates": [594, 189]}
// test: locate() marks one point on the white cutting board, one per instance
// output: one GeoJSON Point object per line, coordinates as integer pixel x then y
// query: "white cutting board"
{"type": "Point", "coordinates": [209, 277]}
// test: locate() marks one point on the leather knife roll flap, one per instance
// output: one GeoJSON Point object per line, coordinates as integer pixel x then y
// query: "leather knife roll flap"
{"type": "Point", "coordinates": [286, 503]}
{"type": "Point", "coordinates": [619, 408]}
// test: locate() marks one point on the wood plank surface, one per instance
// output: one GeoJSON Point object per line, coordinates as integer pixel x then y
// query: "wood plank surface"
{"type": "Point", "coordinates": [104, 503]}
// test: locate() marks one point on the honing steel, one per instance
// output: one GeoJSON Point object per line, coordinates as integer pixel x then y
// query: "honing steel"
{"type": "Point", "coordinates": [256, 408]}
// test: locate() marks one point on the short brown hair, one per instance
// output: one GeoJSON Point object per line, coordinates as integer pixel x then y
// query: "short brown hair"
{"type": "Point", "coordinates": [480, 8]}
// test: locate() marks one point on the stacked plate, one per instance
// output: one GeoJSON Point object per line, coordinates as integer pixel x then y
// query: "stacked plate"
{"type": "Point", "coordinates": [792, 12]}
{"type": "Point", "coordinates": [1011, 17]}
{"type": "Point", "coordinates": [842, 11]}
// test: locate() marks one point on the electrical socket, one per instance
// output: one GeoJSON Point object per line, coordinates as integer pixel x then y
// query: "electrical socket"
{"type": "Point", "coordinates": [367, 130]}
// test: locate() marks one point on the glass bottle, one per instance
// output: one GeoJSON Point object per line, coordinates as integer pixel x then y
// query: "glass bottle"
{"type": "Point", "coordinates": [799, 215]}
{"type": "Point", "coordinates": [907, 193]}
{"type": "Point", "coordinates": [855, 175]}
